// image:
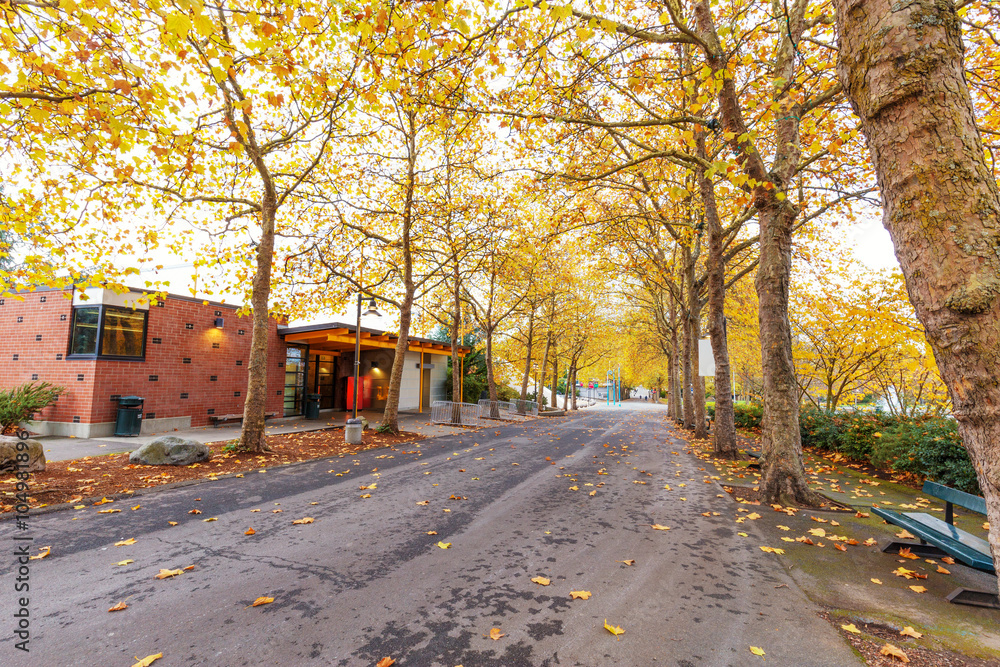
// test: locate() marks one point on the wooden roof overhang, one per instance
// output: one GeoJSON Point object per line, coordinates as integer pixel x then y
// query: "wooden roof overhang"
{"type": "Point", "coordinates": [338, 338]}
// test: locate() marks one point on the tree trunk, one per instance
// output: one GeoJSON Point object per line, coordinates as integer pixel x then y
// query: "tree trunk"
{"type": "Point", "coordinates": [569, 374]}
{"type": "Point", "coordinates": [674, 397]}
{"type": "Point", "coordinates": [491, 383]}
{"type": "Point", "coordinates": [456, 371]}
{"type": "Point", "coordinates": [255, 407]}
{"type": "Point", "coordinates": [527, 358]}
{"type": "Point", "coordinates": [700, 415]}
{"type": "Point", "coordinates": [784, 480]}
{"type": "Point", "coordinates": [902, 67]}
{"type": "Point", "coordinates": [574, 387]}
{"type": "Point", "coordinates": [540, 387]}
{"type": "Point", "coordinates": [724, 436]}
{"type": "Point", "coordinates": [555, 377]}
{"type": "Point", "coordinates": [687, 393]}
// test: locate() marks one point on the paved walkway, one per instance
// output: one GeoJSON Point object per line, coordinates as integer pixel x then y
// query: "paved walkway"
{"type": "Point", "coordinates": [59, 448]}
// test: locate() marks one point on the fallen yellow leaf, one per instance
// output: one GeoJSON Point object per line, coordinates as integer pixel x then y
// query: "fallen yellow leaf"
{"type": "Point", "coordinates": [851, 628]}
{"type": "Point", "coordinates": [125, 543]}
{"type": "Point", "coordinates": [250, 531]}
{"type": "Point", "coordinates": [579, 595]}
{"type": "Point", "coordinates": [172, 523]}
{"type": "Point", "coordinates": [948, 559]}
{"type": "Point", "coordinates": [262, 600]}
{"type": "Point", "coordinates": [195, 511]}
{"type": "Point", "coordinates": [385, 662]}
{"type": "Point", "coordinates": [657, 526]}
{"type": "Point", "coordinates": [303, 520]}
{"type": "Point", "coordinates": [165, 574]}
{"type": "Point", "coordinates": [894, 651]}
{"type": "Point", "coordinates": [756, 650]}
{"type": "Point", "coordinates": [910, 632]}
{"type": "Point", "coordinates": [613, 629]}
{"type": "Point", "coordinates": [121, 606]}
{"type": "Point", "coordinates": [148, 660]}
{"type": "Point", "coordinates": [877, 581]}
{"type": "Point", "coordinates": [495, 634]}
{"type": "Point", "coordinates": [125, 562]}
{"type": "Point", "coordinates": [772, 550]}
{"type": "Point", "coordinates": [942, 570]}
{"type": "Point", "coordinates": [918, 589]}
{"type": "Point", "coordinates": [906, 553]}
{"type": "Point", "coordinates": [870, 542]}
{"type": "Point", "coordinates": [136, 507]}
{"type": "Point", "coordinates": [904, 535]}
{"type": "Point", "coordinates": [423, 502]}
{"type": "Point", "coordinates": [444, 545]}
{"type": "Point", "coordinates": [45, 551]}
{"type": "Point", "coordinates": [542, 581]}
{"type": "Point", "coordinates": [630, 561]}
{"type": "Point", "coordinates": [210, 519]}
{"type": "Point", "coordinates": [432, 532]}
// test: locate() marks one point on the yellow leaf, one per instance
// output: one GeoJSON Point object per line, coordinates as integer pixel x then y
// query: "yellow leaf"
{"type": "Point", "coordinates": [851, 628]}
{"type": "Point", "coordinates": [385, 662]}
{"type": "Point", "coordinates": [444, 545]}
{"type": "Point", "coordinates": [877, 581]}
{"type": "Point", "coordinates": [772, 550]}
{"type": "Point", "coordinates": [124, 562]}
{"type": "Point", "coordinates": [905, 535]}
{"type": "Point", "coordinates": [579, 595]}
{"type": "Point", "coordinates": [303, 520]}
{"type": "Point", "coordinates": [593, 493]}
{"type": "Point", "coordinates": [172, 523]}
{"type": "Point", "coordinates": [870, 542]}
{"type": "Point", "coordinates": [210, 519]}
{"type": "Point", "coordinates": [45, 551]}
{"type": "Point", "coordinates": [894, 651]}
{"type": "Point", "coordinates": [423, 502]}
{"type": "Point", "coordinates": [574, 488]}
{"type": "Point", "coordinates": [125, 543]}
{"type": "Point", "coordinates": [906, 553]}
{"type": "Point", "coordinates": [630, 561]}
{"type": "Point", "coordinates": [818, 532]}
{"type": "Point", "coordinates": [756, 650]}
{"type": "Point", "coordinates": [495, 634]}
{"type": "Point", "coordinates": [910, 632]}
{"type": "Point", "coordinates": [166, 574]}
{"type": "Point", "coordinates": [541, 581]}
{"type": "Point", "coordinates": [613, 629]}
{"type": "Point", "coordinates": [657, 526]}
{"type": "Point", "coordinates": [136, 507]}
{"type": "Point", "coordinates": [262, 600]}
{"type": "Point", "coordinates": [942, 570]}
{"type": "Point", "coordinates": [103, 501]}
{"type": "Point", "coordinates": [432, 532]}
{"type": "Point", "coordinates": [121, 606]}
{"type": "Point", "coordinates": [918, 589]}
{"type": "Point", "coordinates": [148, 660]}
{"type": "Point", "coordinates": [250, 531]}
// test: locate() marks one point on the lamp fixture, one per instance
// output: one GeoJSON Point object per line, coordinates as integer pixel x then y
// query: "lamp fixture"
{"type": "Point", "coordinates": [219, 322]}
{"type": "Point", "coordinates": [374, 365]}
{"type": "Point", "coordinates": [371, 309]}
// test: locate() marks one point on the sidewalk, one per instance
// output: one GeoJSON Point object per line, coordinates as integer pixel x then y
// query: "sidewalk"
{"type": "Point", "coordinates": [59, 448]}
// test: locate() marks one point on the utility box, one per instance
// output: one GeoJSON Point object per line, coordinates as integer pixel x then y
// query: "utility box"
{"type": "Point", "coordinates": [129, 418]}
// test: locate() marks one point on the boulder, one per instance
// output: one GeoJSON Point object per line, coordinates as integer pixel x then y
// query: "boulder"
{"type": "Point", "coordinates": [169, 450]}
{"type": "Point", "coordinates": [10, 446]}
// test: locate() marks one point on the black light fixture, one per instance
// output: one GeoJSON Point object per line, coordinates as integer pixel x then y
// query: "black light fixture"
{"type": "Point", "coordinates": [374, 365]}
{"type": "Point", "coordinates": [371, 309]}
{"type": "Point", "coordinates": [219, 322]}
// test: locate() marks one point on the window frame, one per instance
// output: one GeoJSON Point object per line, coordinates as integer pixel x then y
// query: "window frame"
{"type": "Point", "coordinates": [102, 309]}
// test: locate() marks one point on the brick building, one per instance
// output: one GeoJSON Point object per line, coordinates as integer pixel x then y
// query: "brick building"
{"type": "Point", "coordinates": [187, 358]}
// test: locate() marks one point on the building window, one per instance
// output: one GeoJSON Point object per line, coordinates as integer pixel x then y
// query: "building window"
{"type": "Point", "coordinates": [211, 411]}
{"type": "Point", "coordinates": [218, 313]}
{"type": "Point", "coordinates": [20, 319]}
{"type": "Point", "coordinates": [242, 332]}
{"type": "Point", "coordinates": [108, 332]}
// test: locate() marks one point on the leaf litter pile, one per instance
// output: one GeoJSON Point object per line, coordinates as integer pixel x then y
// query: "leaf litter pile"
{"type": "Point", "coordinates": [92, 479]}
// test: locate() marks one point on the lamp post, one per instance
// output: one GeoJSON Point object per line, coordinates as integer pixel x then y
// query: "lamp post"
{"type": "Point", "coordinates": [352, 433]}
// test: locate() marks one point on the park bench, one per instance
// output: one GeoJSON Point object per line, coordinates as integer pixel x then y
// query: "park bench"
{"type": "Point", "coordinates": [218, 420]}
{"type": "Point", "coordinates": [942, 538]}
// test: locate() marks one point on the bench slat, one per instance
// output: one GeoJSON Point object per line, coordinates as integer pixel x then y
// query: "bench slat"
{"type": "Point", "coordinates": [925, 526]}
{"type": "Point", "coordinates": [956, 497]}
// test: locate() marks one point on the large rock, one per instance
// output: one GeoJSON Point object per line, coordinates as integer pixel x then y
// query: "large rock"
{"type": "Point", "coordinates": [9, 449]}
{"type": "Point", "coordinates": [169, 450]}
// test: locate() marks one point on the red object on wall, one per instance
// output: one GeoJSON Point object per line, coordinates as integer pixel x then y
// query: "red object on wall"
{"type": "Point", "coordinates": [364, 395]}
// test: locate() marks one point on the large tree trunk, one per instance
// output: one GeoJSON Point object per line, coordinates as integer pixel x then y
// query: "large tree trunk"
{"type": "Point", "coordinates": [555, 376]}
{"type": "Point", "coordinates": [456, 370]}
{"type": "Point", "coordinates": [902, 67]}
{"type": "Point", "coordinates": [784, 480]}
{"type": "Point", "coordinates": [697, 381]}
{"type": "Point", "coordinates": [688, 389]}
{"type": "Point", "coordinates": [539, 397]}
{"type": "Point", "coordinates": [255, 408]}
{"type": "Point", "coordinates": [491, 383]}
{"type": "Point", "coordinates": [527, 357]}
{"type": "Point", "coordinates": [674, 397]}
{"type": "Point", "coordinates": [724, 436]}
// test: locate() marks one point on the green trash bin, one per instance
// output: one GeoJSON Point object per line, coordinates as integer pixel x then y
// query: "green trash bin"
{"type": "Point", "coordinates": [312, 406]}
{"type": "Point", "coordinates": [129, 418]}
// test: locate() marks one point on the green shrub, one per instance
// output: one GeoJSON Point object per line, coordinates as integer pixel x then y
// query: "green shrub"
{"type": "Point", "coordinates": [505, 393]}
{"type": "Point", "coordinates": [23, 401]}
{"type": "Point", "coordinates": [748, 415]}
{"type": "Point", "coordinates": [929, 446]}
{"type": "Point", "coordinates": [710, 409]}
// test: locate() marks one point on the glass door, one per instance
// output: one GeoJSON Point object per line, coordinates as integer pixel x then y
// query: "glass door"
{"type": "Point", "coordinates": [295, 379]}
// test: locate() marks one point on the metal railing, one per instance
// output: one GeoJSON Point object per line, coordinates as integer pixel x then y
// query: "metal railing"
{"type": "Point", "coordinates": [455, 414]}
{"type": "Point", "coordinates": [502, 410]}
{"type": "Point", "coordinates": [525, 407]}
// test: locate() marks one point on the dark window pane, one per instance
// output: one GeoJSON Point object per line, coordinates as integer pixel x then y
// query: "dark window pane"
{"type": "Point", "coordinates": [84, 337]}
{"type": "Point", "coordinates": [124, 333]}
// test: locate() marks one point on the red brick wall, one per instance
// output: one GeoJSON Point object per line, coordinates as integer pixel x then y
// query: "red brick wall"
{"type": "Point", "coordinates": [90, 398]}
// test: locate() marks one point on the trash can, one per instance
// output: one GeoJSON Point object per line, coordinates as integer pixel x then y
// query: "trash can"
{"type": "Point", "coordinates": [312, 406]}
{"type": "Point", "coordinates": [129, 418]}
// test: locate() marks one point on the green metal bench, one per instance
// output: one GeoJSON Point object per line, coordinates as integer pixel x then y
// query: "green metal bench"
{"type": "Point", "coordinates": [942, 538]}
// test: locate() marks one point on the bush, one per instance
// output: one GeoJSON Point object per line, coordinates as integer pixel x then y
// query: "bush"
{"type": "Point", "coordinates": [929, 446]}
{"type": "Point", "coordinates": [22, 402]}
{"type": "Point", "coordinates": [710, 409]}
{"type": "Point", "coordinates": [852, 433]}
{"type": "Point", "coordinates": [505, 393]}
{"type": "Point", "coordinates": [748, 415]}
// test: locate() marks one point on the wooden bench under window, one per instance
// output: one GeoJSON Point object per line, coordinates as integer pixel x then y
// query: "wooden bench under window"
{"type": "Point", "coordinates": [942, 538]}
{"type": "Point", "coordinates": [218, 420]}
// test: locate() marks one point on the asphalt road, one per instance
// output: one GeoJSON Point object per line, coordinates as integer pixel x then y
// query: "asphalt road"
{"type": "Point", "coordinates": [365, 580]}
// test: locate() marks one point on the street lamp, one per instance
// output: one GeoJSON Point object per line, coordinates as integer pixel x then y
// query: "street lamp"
{"type": "Point", "coordinates": [353, 435]}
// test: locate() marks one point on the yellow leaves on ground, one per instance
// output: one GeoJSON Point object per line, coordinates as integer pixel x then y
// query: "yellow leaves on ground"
{"type": "Point", "coordinates": [444, 545]}
{"type": "Point", "coordinates": [125, 543]}
{"type": "Point", "coordinates": [850, 627]}
{"type": "Point", "coordinates": [121, 606]}
{"type": "Point", "coordinates": [574, 488]}
{"type": "Point", "coordinates": [423, 502]}
{"type": "Point", "coordinates": [756, 650]}
{"type": "Point", "coordinates": [593, 493]}
{"type": "Point", "coordinates": [656, 526]}
{"type": "Point", "coordinates": [166, 574]}
{"type": "Point", "coordinates": [108, 511]}
{"type": "Point", "coordinates": [877, 581]}
{"type": "Point", "coordinates": [894, 651]}
{"type": "Point", "coordinates": [818, 532]}
{"type": "Point", "coordinates": [210, 519]}
{"type": "Point", "coordinates": [613, 629]}
{"type": "Point", "coordinates": [263, 599]}
{"type": "Point", "coordinates": [195, 511]}
{"type": "Point", "coordinates": [303, 520]}
{"type": "Point", "coordinates": [44, 551]}
{"type": "Point", "coordinates": [870, 542]}
{"type": "Point", "coordinates": [918, 589]}
{"type": "Point", "coordinates": [250, 531]}
{"type": "Point", "coordinates": [942, 570]}
{"type": "Point", "coordinates": [910, 632]}
{"type": "Point", "coordinates": [906, 535]}
{"type": "Point", "coordinates": [541, 581]}
{"type": "Point", "coordinates": [948, 559]}
{"type": "Point", "coordinates": [136, 507]}
{"type": "Point", "coordinates": [909, 574]}
{"type": "Point", "coordinates": [495, 634]}
{"type": "Point", "coordinates": [103, 501]}
{"type": "Point", "coordinates": [385, 662]}
{"type": "Point", "coordinates": [579, 595]}
{"type": "Point", "coordinates": [432, 532]}
{"type": "Point", "coordinates": [772, 550]}
{"type": "Point", "coordinates": [630, 561]}
{"type": "Point", "coordinates": [148, 660]}
{"type": "Point", "coordinates": [122, 563]}
{"type": "Point", "coordinates": [906, 553]}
